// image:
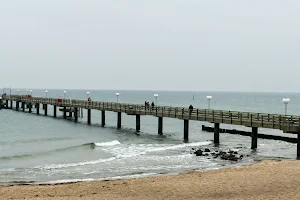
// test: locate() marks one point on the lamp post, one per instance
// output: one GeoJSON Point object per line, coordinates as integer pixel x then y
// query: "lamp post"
{"type": "Point", "coordinates": [46, 92]}
{"type": "Point", "coordinates": [87, 94]}
{"type": "Point", "coordinates": [18, 92]}
{"type": "Point", "coordinates": [286, 101]}
{"type": "Point", "coordinates": [155, 96]}
{"type": "Point", "coordinates": [30, 92]}
{"type": "Point", "coordinates": [209, 98]}
{"type": "Point", "coordinates": [65, 94]}
{"type": "Point", "coordinates": [117, 94]}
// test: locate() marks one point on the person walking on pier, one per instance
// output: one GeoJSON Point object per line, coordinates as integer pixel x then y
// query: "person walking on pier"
{"type": "Point", "coordinates": [191, 108]}
{"type": "Point", "coordinates": [152, 105]}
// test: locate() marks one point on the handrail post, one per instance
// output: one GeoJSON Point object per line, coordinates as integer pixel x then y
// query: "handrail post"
{"type": "Point", "coordinates": [251, 120]}
{"type": "Point", "coordinates": [280, 122]}
{"type": "Point", "coordinates": [222, 116]}
{"type": "Point", "coordinates": [197, 114]}
{"type": "Point", "coordinates": [241, 118]}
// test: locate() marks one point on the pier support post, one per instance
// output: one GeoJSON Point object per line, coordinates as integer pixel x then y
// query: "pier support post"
{"type": "Point", "coordinates": [119, 120]}
{"type": "Point", "coordinates": [11, 104]}
{"type": "Point", "coordinates": [70, 113]}
{"type": "Point", "coordinates": [298, 146]}
{"type": "Point", "coordinates": [254, 138]}
{"type": "Point", "coordinates": [186, 130]}
{"type": "Point", "coordinates": [54, 111]}
{"type": "Point", "coordinates": [75, 114]}
{"type": "Point", "coordinates": [30, 107]}
{"type": "Point", "coordinates": [103, 118]}
{"type": "Point", "coordinates": [160, 125]}
{"type": "Point", "coordinates": [217, 133]}
{"type": "Point", "coordinates": [37, 106]}
{"type": "Point", "coordinates": [65, 113]}
{"type": "Point", "coordinates": [17, 105]}
{"type": "Point", "coordinates": [23, 106]}
{"type": "Point", "coordinates": [6, 105]}
{"type": "Point", "coordinates": [138, 123]}
{"type": "Point", "coordinates": [46, 109]}
{"type": "Point", "coordinates": [89, 116]}
{"type": "Point", "coordinates": [1, 102]}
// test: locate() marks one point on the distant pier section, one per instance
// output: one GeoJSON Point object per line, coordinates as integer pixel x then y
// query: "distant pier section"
{"type": "Point", "coordinates": [286, 123]}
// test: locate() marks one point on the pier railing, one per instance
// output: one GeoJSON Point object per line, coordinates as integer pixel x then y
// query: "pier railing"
{"type": "Point", "coordinates": [286, 123]}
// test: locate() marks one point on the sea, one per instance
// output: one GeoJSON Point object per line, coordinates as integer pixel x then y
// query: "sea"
{"type": "Point", "coordinates": [45, 150]}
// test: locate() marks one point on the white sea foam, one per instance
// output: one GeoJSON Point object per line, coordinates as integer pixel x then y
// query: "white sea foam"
{"type": "Point", "coordinates": [100, 179]}
{"type": "Point", "coordinates": [66, 165]}
{"type": "Point", "coordinates": [124, 152]}
{"type": "Point", "coordinates": [142, 149]}
{"type": "Point", "coordinates": [68, 181]}
{"type": "Point", "coordinates": [111, 143]}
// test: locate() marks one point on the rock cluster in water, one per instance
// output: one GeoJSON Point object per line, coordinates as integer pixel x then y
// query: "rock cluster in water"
{"type": "Point", "coordinates": [224, 155]}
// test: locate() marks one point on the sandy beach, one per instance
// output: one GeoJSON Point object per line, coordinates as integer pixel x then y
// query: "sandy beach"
{"type": "Point", "coordinates": [264, 180]}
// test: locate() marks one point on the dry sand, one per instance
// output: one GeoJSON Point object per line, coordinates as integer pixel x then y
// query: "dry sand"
{"type": "Point", "coordinates": [265, 180]}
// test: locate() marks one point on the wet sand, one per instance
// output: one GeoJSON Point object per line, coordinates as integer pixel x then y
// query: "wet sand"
{"type": "Point", "coordinates": [264, 180]}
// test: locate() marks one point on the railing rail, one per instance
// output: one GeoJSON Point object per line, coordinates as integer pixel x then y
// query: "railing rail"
{"type": "Point", "coordinates": [287, 123]}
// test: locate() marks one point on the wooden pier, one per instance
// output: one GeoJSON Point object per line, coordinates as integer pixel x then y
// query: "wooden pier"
{"type": "Point", "coordinates": [286, 123]}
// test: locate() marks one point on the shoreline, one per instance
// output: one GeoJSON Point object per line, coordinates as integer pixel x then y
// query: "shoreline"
{"type": "Point", "coordinates": [269, 179]}
{"type": "Point", "coordinates": [126, 177]}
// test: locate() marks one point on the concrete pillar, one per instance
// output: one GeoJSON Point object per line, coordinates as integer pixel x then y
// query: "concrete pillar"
{"type": "Point", "coordinates": [138, 123]}
{"type": "Point", "coordinates": [160, 125]}
{"type": "Point", "coordinates": [217, 133]}
{"type": "Point", "coordinates": [75, 114]}
{"type": "Point", "coordinates": [23, 106]}
{"type": "Point", "coordinates": [89, 116]}
{"type": "Point", "coordinates": [11, 104]}
{"type": "Point", "coordinates": [70, 113]}
{"type": "Point", "coordinates": [45, 109]}
{"type": "Point", "coordinates": [298, 146]}
{"type": "Point", "coordinates": [17, 105]}
{"type": "Point", "coordinates": [54, 111]}
{"type": "Point", "coordinates": [6, 104]}
{"type": "Point", "coordinates": [186, 130]}
{"type": "Point", "coordinates": [37, 105]}
{"type": "Point", "coordinates": [65, 113]}
{"type": "Point", "coordinates": [254, 138]}
{"type": "Point", "coordinates": [119, 120]}
{"type": "Point", "coordinates": [30, 107]}
{"type": "Point", "coordinates": [103, 118]}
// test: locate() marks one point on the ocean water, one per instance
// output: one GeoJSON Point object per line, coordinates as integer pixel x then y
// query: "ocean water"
{"type": "Point", "coordinates": [42, 149]}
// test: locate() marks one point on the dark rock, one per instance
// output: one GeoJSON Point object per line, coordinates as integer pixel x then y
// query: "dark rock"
{"type": "Point", "coordinates": [206, 150]}
{"type": "Point", "coordinates": [233, 158]}
{"type": "Point", "coordinates": [199, 152]}
{"type": "Point", "coordinates": [241, 156]}
{"type": "Point", "coordinates": [193, 149]}
{"type": "Point", "coordinates": [224, 157]}
{"type": "Point", "coordinates": [235, 152]}
{"type": "Point", "coordinates": [213, 153]}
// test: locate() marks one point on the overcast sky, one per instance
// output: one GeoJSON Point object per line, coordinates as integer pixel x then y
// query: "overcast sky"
{"type": "Point", "coordinates": [232, 45]}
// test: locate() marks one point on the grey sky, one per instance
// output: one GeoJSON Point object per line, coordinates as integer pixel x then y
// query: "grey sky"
{"type": "Point", "coordinates": [250, 45]}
